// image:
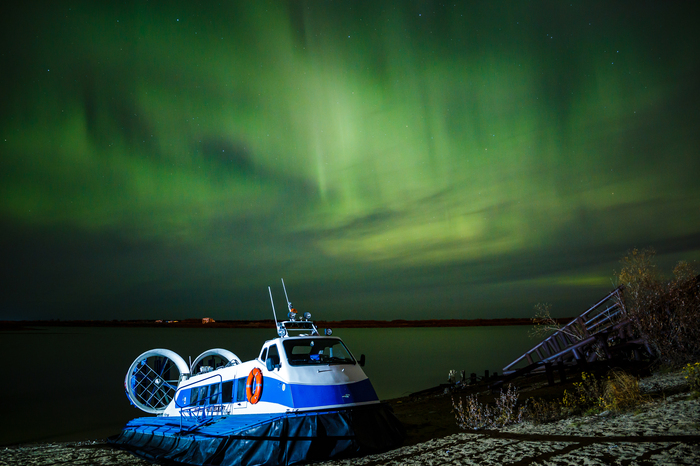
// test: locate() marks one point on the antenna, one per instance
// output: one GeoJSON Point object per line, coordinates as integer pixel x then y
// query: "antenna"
{"type": "Point", "coordinates": [285, 295]}
{"type": "Point", "coordinates": [273, 306]}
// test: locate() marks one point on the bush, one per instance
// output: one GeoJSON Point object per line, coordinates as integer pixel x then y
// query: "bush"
{"type": "Point", "coordinates": [621, 392]}
{"type": "Point", "coordinates": [617, 392]}
{"type": "Point", "coordinates": [472, 415]}
{"type": "Point", "coordinates": [665, 313]}
{"type": "Point", "coordinates": [586, 396]}
{"type": "Point", "coordinates": [692, 375]}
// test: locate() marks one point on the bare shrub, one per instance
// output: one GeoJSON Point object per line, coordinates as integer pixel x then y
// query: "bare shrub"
{"type": "Point", "coordinates": [543, 324]}
{"type": "Point", "coordinates": [473, 415]}
{"type": "Point", "coordinates": [665, 313]}
{"type": "Point", "coordinates": [621, 392]}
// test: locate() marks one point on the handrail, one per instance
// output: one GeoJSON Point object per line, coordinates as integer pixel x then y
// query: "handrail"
{"type": "Point", "coordinates": [194, 383]}
{"type": "Point", "coordinates": [208, 398]}
{"type": "Point", "coordinates": [602, 313]}
{"type": "Point", "coordinates": [582, 343]}
{"type": "Point", "coordinates": [559, 337]}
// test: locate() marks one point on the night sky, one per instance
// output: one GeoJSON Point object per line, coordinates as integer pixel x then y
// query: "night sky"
{"type": "Point", "coordinates": [407, 159]}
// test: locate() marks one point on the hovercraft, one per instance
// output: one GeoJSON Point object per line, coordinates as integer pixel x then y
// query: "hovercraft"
{"type": "Point", "coordinates": [304, 398]}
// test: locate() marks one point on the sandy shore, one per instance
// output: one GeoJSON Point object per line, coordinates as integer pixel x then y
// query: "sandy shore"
{"type": "Point", "coordinates": [662, 432]}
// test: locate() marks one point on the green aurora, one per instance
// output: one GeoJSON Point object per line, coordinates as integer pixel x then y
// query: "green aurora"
{"type": "Point", "coordinates": [388, 159]}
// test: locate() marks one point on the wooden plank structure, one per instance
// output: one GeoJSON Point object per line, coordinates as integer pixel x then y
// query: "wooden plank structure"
{"type": "Point", "coordinates": [598, 333]}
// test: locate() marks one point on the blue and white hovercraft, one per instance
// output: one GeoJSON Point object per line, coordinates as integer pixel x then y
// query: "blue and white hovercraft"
{"type": "Point", "coordinates": [304, 398]}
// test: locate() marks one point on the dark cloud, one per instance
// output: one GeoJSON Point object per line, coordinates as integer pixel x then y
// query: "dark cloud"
{"type": "Point", "coordinates": [389, 159]}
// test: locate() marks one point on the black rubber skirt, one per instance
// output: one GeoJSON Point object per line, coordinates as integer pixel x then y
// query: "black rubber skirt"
{"type": "Point", "coordinates": [273, 439]}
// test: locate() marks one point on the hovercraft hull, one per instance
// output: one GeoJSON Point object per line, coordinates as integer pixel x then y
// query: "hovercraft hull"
{"type": "Point", "coordinates": [263, 439]}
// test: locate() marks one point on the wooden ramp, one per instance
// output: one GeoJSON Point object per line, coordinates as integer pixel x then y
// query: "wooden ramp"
{"type": "Point", "coordinates": [598, 333]}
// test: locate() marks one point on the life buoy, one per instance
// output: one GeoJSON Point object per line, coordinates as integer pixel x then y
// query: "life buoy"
{"type": "Point", "coordinates": [253, 387]}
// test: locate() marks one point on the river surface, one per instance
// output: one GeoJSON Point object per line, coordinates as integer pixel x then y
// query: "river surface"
{"type": "Point", "coordinates": [64, 384]}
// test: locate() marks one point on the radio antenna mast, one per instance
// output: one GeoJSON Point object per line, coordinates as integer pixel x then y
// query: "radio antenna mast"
{"type": "Point", "coordinates": [273, 307]}
{"type": "Point", "coordinates": [285, 295]}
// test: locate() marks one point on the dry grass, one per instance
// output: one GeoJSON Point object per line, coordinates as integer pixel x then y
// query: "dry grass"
{"type": "Point", "coordinates": [473, 415]}
{"type": "Point", "coordinates": [618, 391]}
{"type": "Point", "coordinates": [541, 411]}
{"type": "Point", "coordinates": [621, 392]}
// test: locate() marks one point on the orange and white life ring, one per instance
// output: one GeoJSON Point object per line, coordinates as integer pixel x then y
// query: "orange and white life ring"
{"type": "Point", "coordinates": [253, 387]}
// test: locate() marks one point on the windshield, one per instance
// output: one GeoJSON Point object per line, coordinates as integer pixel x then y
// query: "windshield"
{"type": "Point", "coordinates": [317, 351]}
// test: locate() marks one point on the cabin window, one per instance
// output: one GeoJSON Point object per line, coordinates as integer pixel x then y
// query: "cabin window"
{"type": "Point", "coordinates": [240, 389]}
{"type": "Point", "coordinates": [203, 395]}
{"type": "Point", "coordinates": [274, 354]}
{"type": "Point", "coordinates": [263, 356]}
{"type": "Point", "coordinates": [199, 395]}
{"type": "Point", "coordinates": [194, 396]}
{"type": "Point", "coordinates": [214, 394]}
{"type": "Point", "coordinates": [317, 351]}
{"type": "Point", "coordinates": [227, 392]}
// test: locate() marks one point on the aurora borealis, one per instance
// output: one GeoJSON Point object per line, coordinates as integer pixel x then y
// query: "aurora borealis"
{"type": "Point", "coordinates": [388, 159]}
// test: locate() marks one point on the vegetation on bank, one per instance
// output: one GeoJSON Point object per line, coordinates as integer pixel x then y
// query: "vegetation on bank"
{"type": "Point", "coordinates": [473, 415]}
{"type": "Point", "coordinates": [664, 311]}
{"type": "Point", "coordinates": [692, 375]}
{"type": "Point", "coordinates": [618, 391]}
{"type": "Point", "coordinates": [615, 392]}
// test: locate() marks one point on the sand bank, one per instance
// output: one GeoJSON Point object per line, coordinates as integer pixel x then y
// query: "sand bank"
{"type": "Point", "coordinates": [663, 432]}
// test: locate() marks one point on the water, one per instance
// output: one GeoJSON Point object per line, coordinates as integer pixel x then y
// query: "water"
{"type": "Point", "coordinates": [64, 384]}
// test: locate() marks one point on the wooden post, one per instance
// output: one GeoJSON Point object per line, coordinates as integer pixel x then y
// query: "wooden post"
{"type": "Point", "coordinates": [550, 374]}
{"type": "Point", "coordinates": [562, 371]}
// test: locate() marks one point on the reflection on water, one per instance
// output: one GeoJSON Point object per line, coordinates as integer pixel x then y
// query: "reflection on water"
{"type": "Point", "coordinates": [68, 383]}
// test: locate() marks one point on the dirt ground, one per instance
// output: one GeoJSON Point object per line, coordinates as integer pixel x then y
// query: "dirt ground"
{"type": "Point", "coordinates": [666, 430]}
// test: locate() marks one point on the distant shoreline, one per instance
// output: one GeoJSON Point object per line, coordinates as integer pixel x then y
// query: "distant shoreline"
{"type": "Point", "coordinates": [197, 323]}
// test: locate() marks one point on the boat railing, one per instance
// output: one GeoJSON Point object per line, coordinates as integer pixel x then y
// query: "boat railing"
{"type": "Point", "coordinates": [300, 327]}
{"type": "Point", "coordinates": [204, 409]}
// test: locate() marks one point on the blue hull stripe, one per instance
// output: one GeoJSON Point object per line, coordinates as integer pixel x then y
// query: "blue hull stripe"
{"type": "Point", "coordinates": [308, 396]}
